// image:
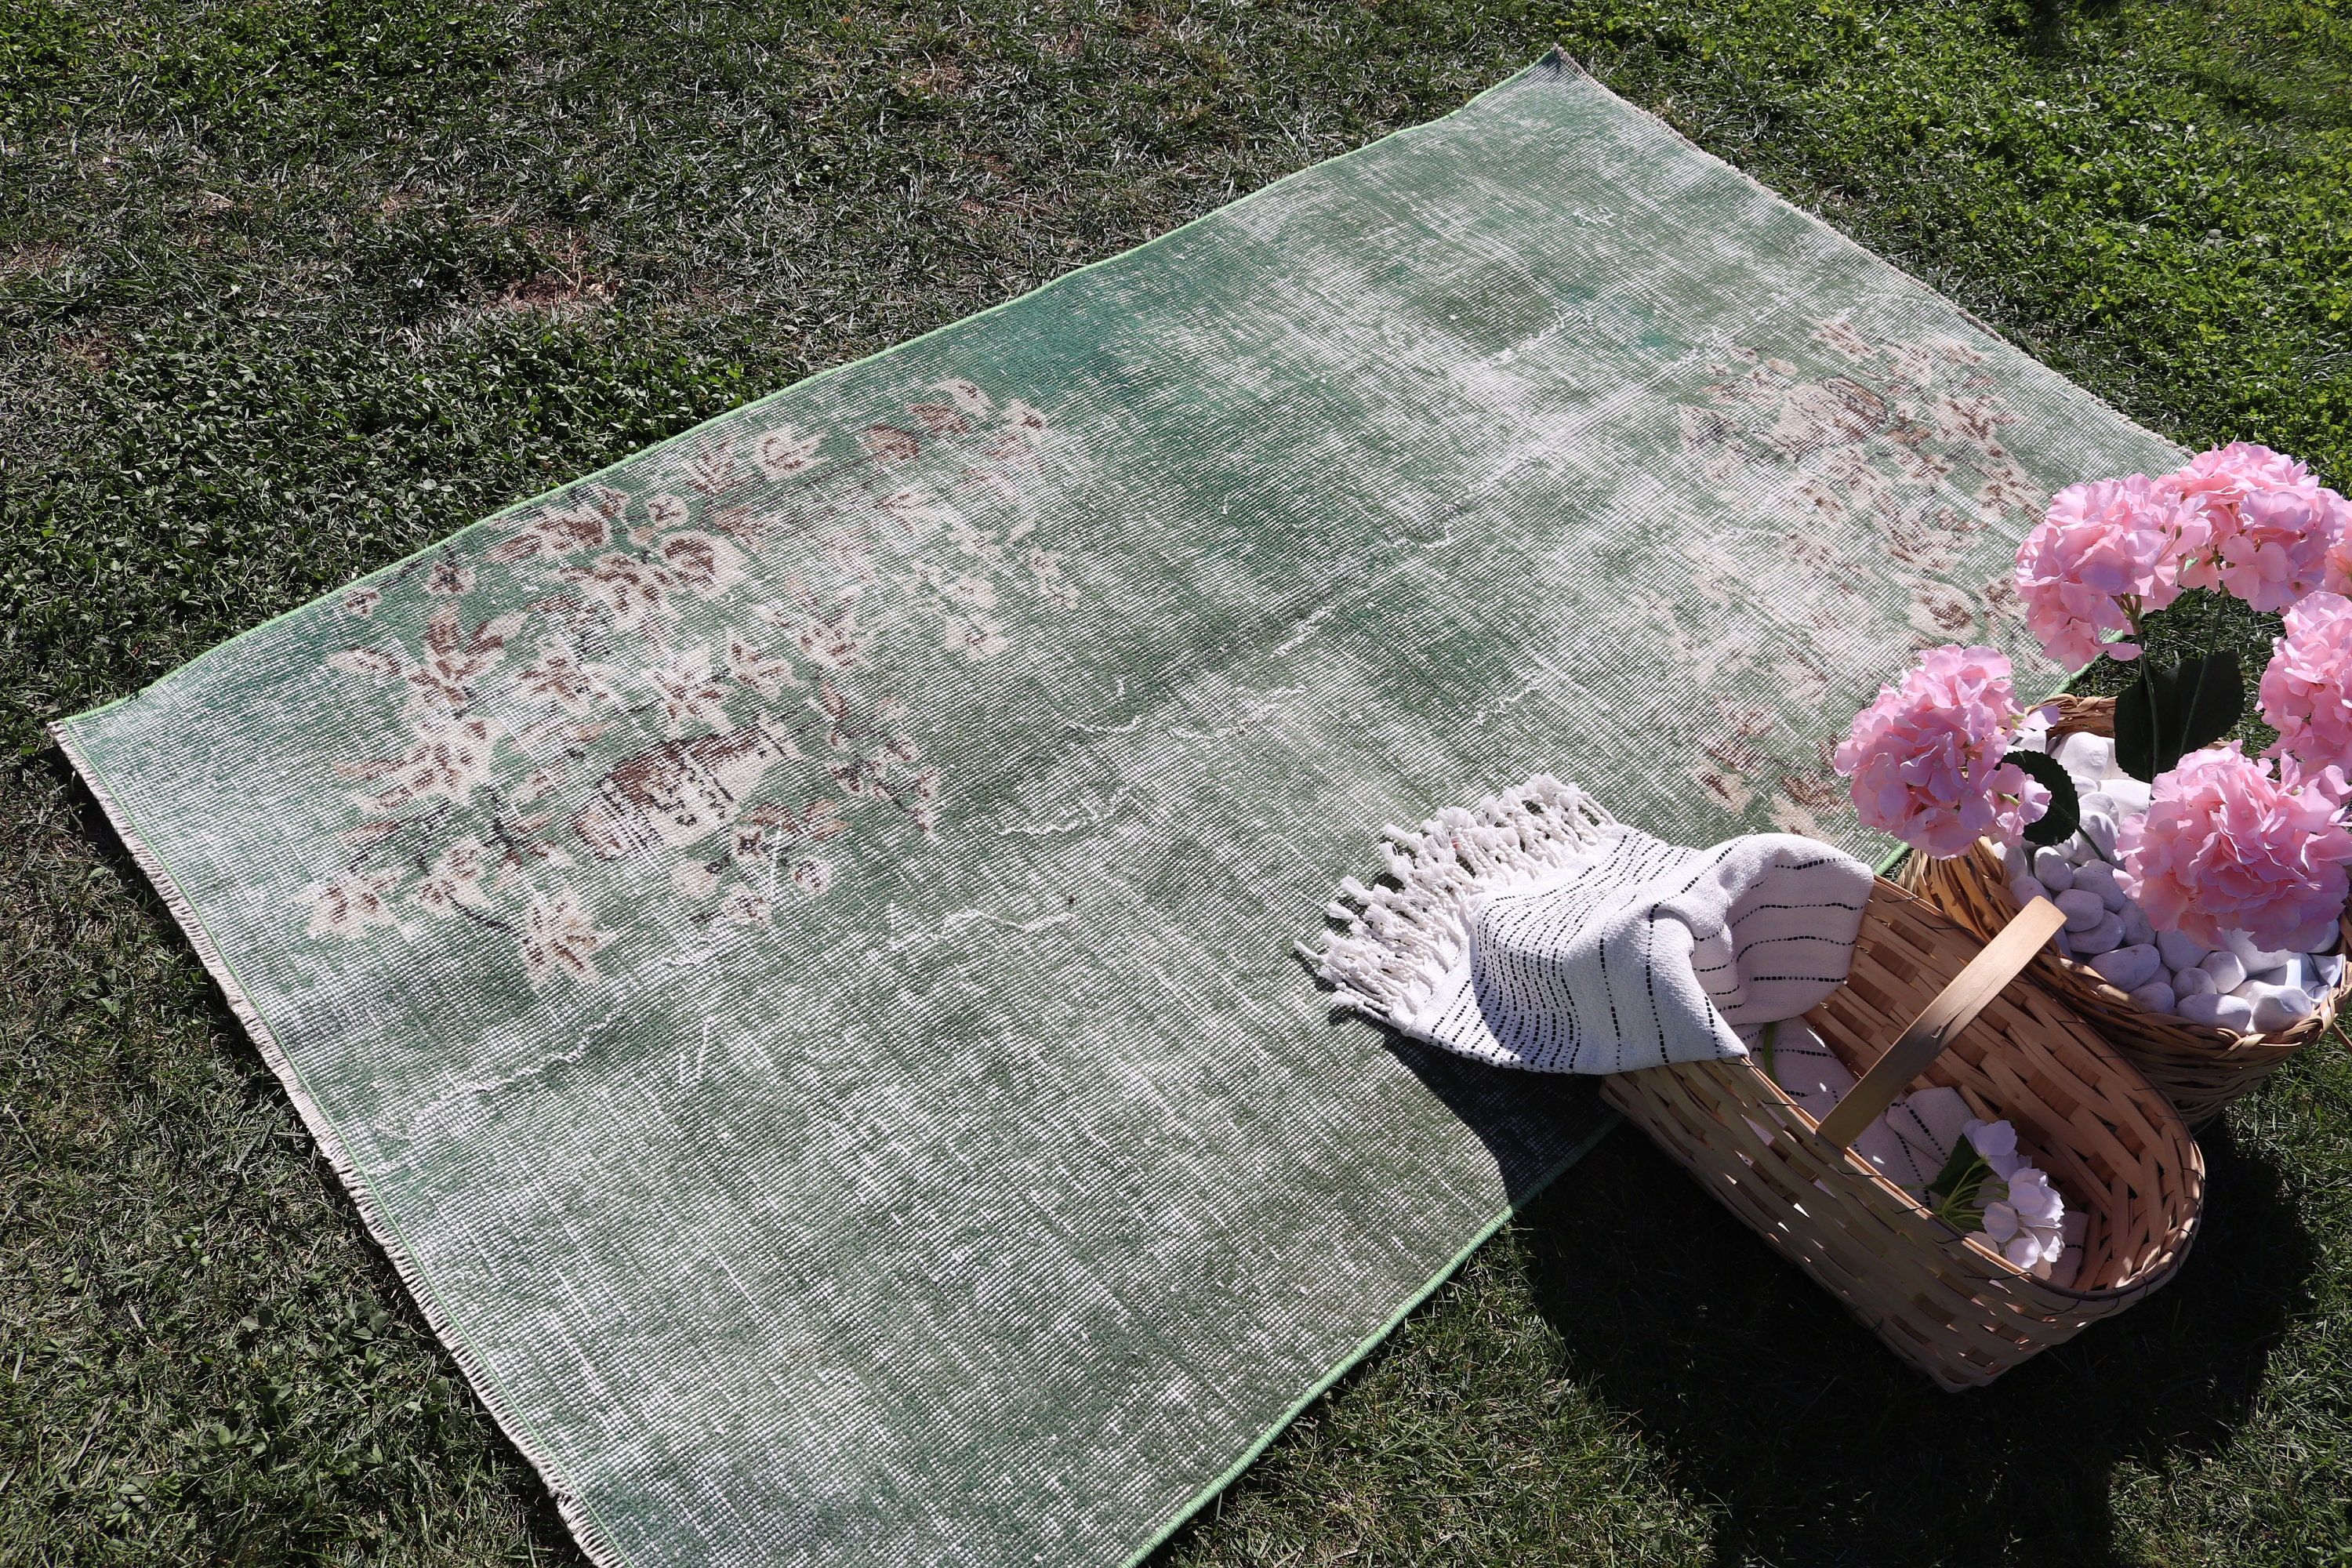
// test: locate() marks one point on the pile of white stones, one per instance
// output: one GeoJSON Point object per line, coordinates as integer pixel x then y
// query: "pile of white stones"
{"type": "Point", "coordinates": [2238, 986]}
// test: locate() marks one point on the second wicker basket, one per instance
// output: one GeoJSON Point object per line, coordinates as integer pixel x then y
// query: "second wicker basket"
{"type": "Point", "coordinates": [2199, 1067]}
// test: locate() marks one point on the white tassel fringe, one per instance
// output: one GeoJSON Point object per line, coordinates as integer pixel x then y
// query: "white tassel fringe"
{"type": "Point", "coordinates": [1405, 934]}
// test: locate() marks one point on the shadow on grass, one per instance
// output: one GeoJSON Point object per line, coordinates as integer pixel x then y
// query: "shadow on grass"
{"type": "Point", "coordinates": [2045, 32]}
{"type": "Point", "coordinates": [1818, 1447]}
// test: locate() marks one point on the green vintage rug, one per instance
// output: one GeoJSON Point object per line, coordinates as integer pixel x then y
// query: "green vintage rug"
{"type": "Point", "coordinates": [789, 939]}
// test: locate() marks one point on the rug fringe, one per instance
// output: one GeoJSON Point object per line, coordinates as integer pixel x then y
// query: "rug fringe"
{"type": "Point", "coordinates": [1404, 933]}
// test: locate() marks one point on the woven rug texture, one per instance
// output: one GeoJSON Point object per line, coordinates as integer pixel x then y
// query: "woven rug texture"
{"type": "Point", "coordinates": [789, 939]}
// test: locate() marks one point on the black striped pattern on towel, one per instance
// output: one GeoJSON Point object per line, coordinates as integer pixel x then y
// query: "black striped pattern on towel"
{"type": "Point", "coordinates": [1631, 954]}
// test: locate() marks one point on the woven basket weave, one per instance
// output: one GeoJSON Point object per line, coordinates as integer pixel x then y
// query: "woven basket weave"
{"type": "Point", "coordinates": [2115, 1148]}
{"type": "Point", "coordinates": [2201, 1066]}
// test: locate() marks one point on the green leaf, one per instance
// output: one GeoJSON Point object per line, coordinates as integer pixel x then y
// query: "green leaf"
{"type": "Point", "coordinates": [2172, 710]}
{"type": "Point", "coordinates": [2135, 726]}
{"type": "Point", "coordinates": [2066, 812]}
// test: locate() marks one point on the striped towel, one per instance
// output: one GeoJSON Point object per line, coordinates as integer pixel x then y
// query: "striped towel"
{"type": "Point", "coordinates": [1533, 930]}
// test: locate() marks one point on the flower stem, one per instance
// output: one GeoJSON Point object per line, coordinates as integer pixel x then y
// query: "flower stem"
{"type": "Point", "coordinates": [1952, 1195]}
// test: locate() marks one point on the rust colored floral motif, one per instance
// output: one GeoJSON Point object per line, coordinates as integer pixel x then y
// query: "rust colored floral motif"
{"type": "Point", "coordinates": [1869, 474]}
{"type": "Point", "coordinates": [684, 688]}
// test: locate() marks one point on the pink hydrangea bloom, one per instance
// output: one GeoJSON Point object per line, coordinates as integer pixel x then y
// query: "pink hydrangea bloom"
{"type": "Point", "coordinates": [2339, 576]}
{"type": "Point", "coordinates": [2270, 524]}
{"type": "Point", "coordinates": [1926, 757]}
{"type": "Point", "coordinates": [2226, 847]}
{"type": "Point", "coordinates": [2328, 781]}
{"type": "Point", "coordinates": [2275, 552]}
{"type": "Point", "coordinates": [2227, 475]}
{"type": "Point", "coordinates": [2306, 692]}
{"type": "Point", "coordinates": [2105, 552]}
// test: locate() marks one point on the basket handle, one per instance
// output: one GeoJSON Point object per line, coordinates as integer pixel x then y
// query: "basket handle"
{"type": "Point", "coordinates": [1942, 1021]}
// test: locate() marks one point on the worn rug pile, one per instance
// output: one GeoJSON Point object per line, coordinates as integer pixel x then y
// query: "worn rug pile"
{"type": "Point", "coordinates": [789, 939]}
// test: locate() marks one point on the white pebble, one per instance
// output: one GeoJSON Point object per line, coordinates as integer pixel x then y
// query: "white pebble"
{"type": "Point", "coordinates": [2083, 909]}
{"type": "Point", "coordinates": [2100, 878]}
{"type": "Point", "coordinates": [2229, 972]}
{"type": "Point", "coordinates": [2025, 890]}
{"type": "Point", "coordinates": [2091, 755]}
{"type": "Point", "coordinates": [2255, 959]}
{"type": "Point", "coordinates": [2104, 937]}
{"type": "Point", "coordinates": [2190, 981]}
{"type": "Point", "coordinates": [2080, 851]}
{"type": "Point", "coordinates": [2156, 997]}
{"type": "Point", "coordinates": [2099, 828]}
{"type": "Point", "coordinates": [2280, 1006]}
{"type": "Point", "coordinates": [2053, 869]}
{"type": "Point", "coordinates": [2327, 968]}
{"type": "Point", "coordinates": [2295, 971]}
{"type": "Point", "coordinates": [2233, 1012]}
{"type": "Point", "coordinates": [2130, 796]}
{"type": "Point", "coordinates": [2128, 968]}
{"type": "Point", "coordinates": [2135, 926]}
{"type": "Point", "coordinates": [2180, 952]}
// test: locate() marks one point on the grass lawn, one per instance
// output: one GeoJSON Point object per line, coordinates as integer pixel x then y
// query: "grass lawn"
{"type": "Point", "coordinates": [289, 288]}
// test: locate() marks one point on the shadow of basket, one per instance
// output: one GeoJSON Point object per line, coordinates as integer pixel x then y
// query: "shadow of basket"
{"type": "Point", "coordinates": [1818, 1446]}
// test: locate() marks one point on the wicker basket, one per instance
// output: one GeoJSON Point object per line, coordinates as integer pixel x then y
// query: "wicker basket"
{"type": "Point", "coordinates": [2115, 1148]}
{"type": "Point", "coordinates": [2201, 1066]}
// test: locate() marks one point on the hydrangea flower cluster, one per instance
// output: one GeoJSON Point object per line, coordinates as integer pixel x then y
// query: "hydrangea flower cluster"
{"type": "Point", "coordinates": [2306, 692]}
{"type": "Point", "coordinates": [2240, 519]}
{"type": "Point", "coordinates": [2025, 1226]}
{"type": "Point", "coordinates": [1926, 758]}
{"type": "Point", "coordinates": [2227, 475]}
{"type": "Point", "coordinates": [2107, 552]}
{"type": "Point", "coordinates": [2227, 847]}
{"type": "Point", "coordinates": [2272, 530]}
{"type": "Point", "coordinates": [2270, 549]}
{"type": "Point", "coordinates": [2339, 576]}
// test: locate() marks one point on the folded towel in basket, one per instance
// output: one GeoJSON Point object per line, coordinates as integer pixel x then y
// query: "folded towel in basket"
{"type": "Point", "coordinates": [1533, 930]}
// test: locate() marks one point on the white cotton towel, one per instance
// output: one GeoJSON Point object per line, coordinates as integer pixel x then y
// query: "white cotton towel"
{"type": "Point", "coordinates": [1533, 932]}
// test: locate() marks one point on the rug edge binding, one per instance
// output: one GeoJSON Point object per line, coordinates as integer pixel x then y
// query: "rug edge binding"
{"type": "Point", "coordinates": [570, 1506]}
{"type": "Point", "coordinates": [1577, 71]}
{"type": "Point", "coordinates": [1512, 1209]}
